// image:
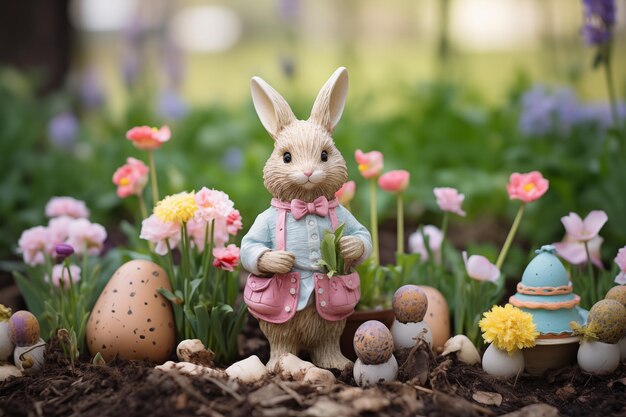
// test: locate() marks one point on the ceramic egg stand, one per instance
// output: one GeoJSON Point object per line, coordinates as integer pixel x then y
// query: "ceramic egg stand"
{"type": "Point", "coordinates": [546, 292]}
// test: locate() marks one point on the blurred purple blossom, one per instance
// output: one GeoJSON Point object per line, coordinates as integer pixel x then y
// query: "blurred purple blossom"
{"type": "Point", "coordinates": [132, 64]}
{"type": "Point", "coordinates": [63, 129]}
{"type": "Point", "coordinates": [289, 10]}
{"type": "Point", "coordinates": [170, 105]}
{"type": "Point", "coordinates": [599, 18]}
{"type": "Point", "coordinates": [233, 159]}
{"type": "Point", "coordinates": [546, 112]}
{"type": "Point", "coordinates": [603, 9]}
{"type": "Point", "coordinates": [287, 66]}
{"type": "Point", "coordinates": [91, 91]}
{"type": "Point", "coordinates": [173, 62]}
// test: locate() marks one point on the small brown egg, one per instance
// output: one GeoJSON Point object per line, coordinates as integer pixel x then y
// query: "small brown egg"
{"type": "Point", "coordinates": [437, 316]}
{"type": "Point", "coordinates": [409, 304]}
{"type": "Point", "coordinates": [617, 293]}
{"type": "Point", "coordinates": [23, 328]}
{"type": "Point", "coordinates": [607, 321]}
{"type": "Point", "coordinates": [131, 318]}
{"type": "Point", "coordinates": [373, 342]}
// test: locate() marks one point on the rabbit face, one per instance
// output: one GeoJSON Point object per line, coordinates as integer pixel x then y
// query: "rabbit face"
{"type": "Point", "coordinates": [305, 163]}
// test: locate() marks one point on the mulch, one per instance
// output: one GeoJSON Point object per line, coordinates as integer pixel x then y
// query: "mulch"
{"type": "Point", "coordinates": [429, 386]}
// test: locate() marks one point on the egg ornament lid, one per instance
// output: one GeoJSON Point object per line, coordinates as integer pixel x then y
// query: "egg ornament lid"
{"type": "Point", "coordinates": [546, 292]}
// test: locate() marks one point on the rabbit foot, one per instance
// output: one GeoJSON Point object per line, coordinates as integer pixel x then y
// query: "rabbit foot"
{"type": "Point", "coordinates": [334, 360]}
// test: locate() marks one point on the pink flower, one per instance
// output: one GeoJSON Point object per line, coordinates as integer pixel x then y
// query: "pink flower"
{"type": "Point", "coordinates": [87, 238]}
{"type": "Point", "coordinates": [449, 199]}
{"type": "Point", "coordinates": [479, 268]}
{"type": "Point", "coordinates": [394, 181]}
{"type": "Point", "coordinates": [435, 239]}
{"type": "Point", "coordinates": [584, 230]}
{"type": "Point", "coordinates": [574, 251]}
{"type": "Point", "coordinates": [35, 243]}
{"type": "Point", "coordinates": [197, 229]}
{"type": "Point", "coordinates": [212, 204]}
{"type": "Point", "coordinates": [527, 187]}
{"type": "Point", "coordinates": [226, 258]}
{"type": "Point", "coordinates": [370, 163]}
{"type": "Point", "coordinates": [59, 274]}
{"type": "Point", "coordinates": [66, 206]}
{"type": "Point", "coordinates": [160, 233]}
{"type": "Point", "coordinates": [346, 193]}
{"type": "Point", "coordinates": [148, 138]}
{"type": "Point", "coordinates": [59, 228]}
{"type": "Point", "coordinates": [620, 260]}
{"type": "Point", "coordinates": [233, 222]}
{"type": "Point", "coordinates": [131, 178]}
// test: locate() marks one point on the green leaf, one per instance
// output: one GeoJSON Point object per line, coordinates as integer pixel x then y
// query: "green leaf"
{"type": "Point", "coordinates": [174, 299]}
{"type": "Point", "coordinates": [204, 323]}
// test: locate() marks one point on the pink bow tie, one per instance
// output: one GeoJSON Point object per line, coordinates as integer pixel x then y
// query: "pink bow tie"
{"type": "Point", "coordinates": [300, 208]}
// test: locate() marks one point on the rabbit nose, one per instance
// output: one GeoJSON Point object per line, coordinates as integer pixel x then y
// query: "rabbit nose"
{"type": "Point", "coordinates": [308, 173]}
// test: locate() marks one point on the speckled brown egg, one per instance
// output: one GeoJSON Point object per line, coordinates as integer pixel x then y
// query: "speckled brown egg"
{"type": "Point", "coordinates": [23, 328]}
{"type": "Point", "coordinates": [373, 342]}
{"type": "Point", "coordinates": [607, 320]}
{"type": "Point", "coordinates": [409, 304]}
{"type": "Point", "coordinates": [131, 319]}
{"type": "Point", "coordinates": [437, 317]}
{"type": "Point", "coordinates": [617, 293]}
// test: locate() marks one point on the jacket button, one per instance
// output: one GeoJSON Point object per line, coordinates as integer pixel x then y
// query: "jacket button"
{"type": "Point", "coordinates": [287, 309]}
{"type": "Point", "coordinates": [292, 291]}
{"type": "Point", "coordinates": [253, 284]}
{"type": "Point", "coordinates": [350, 282]}
{"type": "Point", "coordinates": [320, 276]}
{"type": "Point", "coordinates": [320, 290]}
{"type": "Point", "coordinates": [293, 280]}
{"type": "Point", "coordinates": [323, 303]}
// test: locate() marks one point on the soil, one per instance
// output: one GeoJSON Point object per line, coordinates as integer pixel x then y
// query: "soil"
{"type": "Point", "coordinates": [428, 386]}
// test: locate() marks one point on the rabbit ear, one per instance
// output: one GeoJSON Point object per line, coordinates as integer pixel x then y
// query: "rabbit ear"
{"type": "Point", "coordinates": [271, 107]}
{"type": "Point", "coordinates": [331, 100]}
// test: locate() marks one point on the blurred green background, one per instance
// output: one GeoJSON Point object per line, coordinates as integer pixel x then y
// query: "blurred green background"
{"type": "Point", "coordinates": [459, 92]}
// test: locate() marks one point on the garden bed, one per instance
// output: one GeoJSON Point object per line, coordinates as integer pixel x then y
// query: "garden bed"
{"type": "Point", "coordinates": [135, 388]}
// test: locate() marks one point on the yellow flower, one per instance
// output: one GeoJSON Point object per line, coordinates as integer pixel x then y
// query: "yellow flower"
{"type": "Point", "coordinates": [176, 208]}
{"type": "Point", "coordinates": [508, 328]}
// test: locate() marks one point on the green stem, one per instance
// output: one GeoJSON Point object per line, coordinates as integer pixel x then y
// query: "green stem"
{"type": "Point", "coordinates": [608, 73]}
{"type": "Point", "coordinates": [142, 206]}
{"type": "Point", "coordinates": [444, 230]}
{"type": "Point", "coordinates": [153, 179]}
{"type": "Point", "coordinates": [511, 235]}
{"type": "Point", "coordinates": [207, 257]}
{"type": "Point", "coordinates": [593, 292]}
{"type": "Point", "coordinates": [400, 224]}
{"type": "Point", "coordinates": [374, 222]}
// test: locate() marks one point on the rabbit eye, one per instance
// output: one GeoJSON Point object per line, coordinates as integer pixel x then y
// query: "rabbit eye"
{"type": "Point", "coordinates": [324, 156]}
{"type": "Point", "coordinates": [286, 157]}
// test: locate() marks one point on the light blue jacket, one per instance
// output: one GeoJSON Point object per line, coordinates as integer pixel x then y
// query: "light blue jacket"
{"type": "Point", "coordinates": [303, 239]}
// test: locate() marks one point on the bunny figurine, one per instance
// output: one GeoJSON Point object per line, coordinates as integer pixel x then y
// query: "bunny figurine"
{"type": "Point", "coordinates": [299, 307]}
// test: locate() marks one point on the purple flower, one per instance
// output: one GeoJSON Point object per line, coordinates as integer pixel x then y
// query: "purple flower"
{"type": "Point", "coordinates": [289, 10]}
{"type": "Point", "coordinates": [545, 112]}
{"type": "Point", "coordinates": [599, 19]}
{"type": "Point", "coordinates": [63, 250]}
{"type": "Point", "coordinates": [233, 159]}
{"type": "Point", "coordinates": [171, 105]}
{"type": "Point", "coordinates": [594, 35]}
{"type": "Point", "coordinates": [90, 91]}
{"type": "Point", "coordinates": [604, 9]}
{"type": "Point", "coordinates": [63, 129]}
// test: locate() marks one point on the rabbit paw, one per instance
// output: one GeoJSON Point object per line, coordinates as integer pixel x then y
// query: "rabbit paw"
{"type": "Point", "coordinates": [276, 262]}
{"type": "Point", "coordinates": [351, 247]}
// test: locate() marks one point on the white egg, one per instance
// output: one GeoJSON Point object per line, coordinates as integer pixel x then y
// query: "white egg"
{"type": "Point", "coordinates": [497, 362]}
{"type": "Point", "coordinates": [6, 345]}
{"type": "Point", "coordinates": [622, 349]}
{"type": "Point", "coordinates": [405, 334]}
{"type": "Point", "coordinates": [372, 374]}
{"type": "Point", "coordinates": [30, 359]}
{"type": "Point", "coordinates": [598, 358]}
